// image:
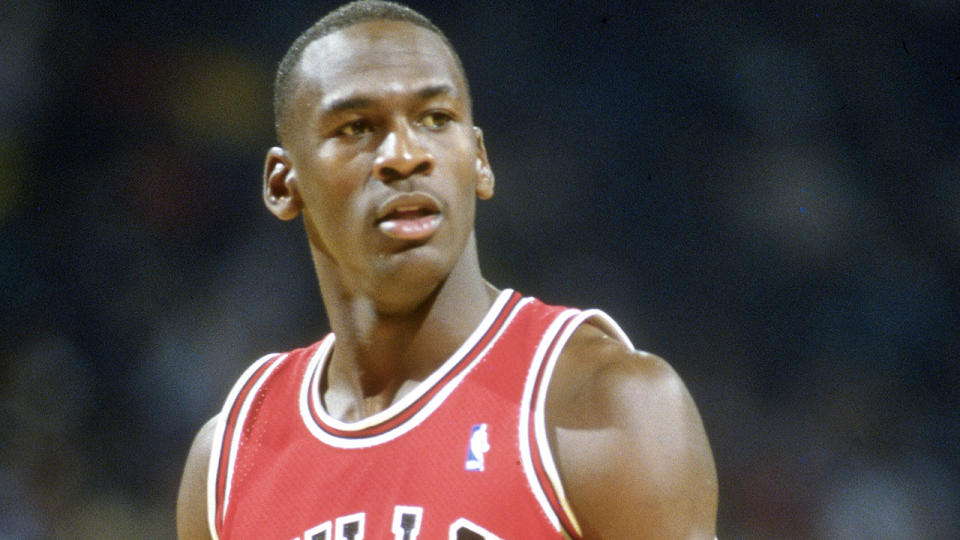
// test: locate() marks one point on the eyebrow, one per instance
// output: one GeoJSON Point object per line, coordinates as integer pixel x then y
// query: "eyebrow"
{"type": "Point", "coordinates": [361, 101]}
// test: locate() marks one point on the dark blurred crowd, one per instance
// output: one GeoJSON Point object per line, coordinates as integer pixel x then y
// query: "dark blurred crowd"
{"type": "Point", "coordinates": [767, 196]}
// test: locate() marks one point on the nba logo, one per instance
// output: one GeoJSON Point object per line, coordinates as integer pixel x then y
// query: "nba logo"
{"type": "Point", "coordinates": [479, 445]}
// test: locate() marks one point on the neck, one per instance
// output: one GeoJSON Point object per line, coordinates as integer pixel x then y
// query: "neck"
{"type": "Point", "coordinates": [382, 354]}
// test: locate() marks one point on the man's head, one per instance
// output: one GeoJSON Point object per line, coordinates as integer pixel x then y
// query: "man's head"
{"type": "Point", "coordinates": [347, 15]}
{"type": "Point", "coordinates": [381, 158]}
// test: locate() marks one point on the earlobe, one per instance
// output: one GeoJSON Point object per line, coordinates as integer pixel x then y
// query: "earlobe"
{"type": "Point", "coordinates": [280, 192]}
{"type": "Point", "coordinates": [485, 179]}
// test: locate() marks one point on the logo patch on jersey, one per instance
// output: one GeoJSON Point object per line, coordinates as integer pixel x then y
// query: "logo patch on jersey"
{"type": "Point", "coordinates": [479, 445]}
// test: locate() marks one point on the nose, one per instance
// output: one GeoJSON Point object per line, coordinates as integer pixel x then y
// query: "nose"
{"type": "Point", "coordinates": [400, 156]}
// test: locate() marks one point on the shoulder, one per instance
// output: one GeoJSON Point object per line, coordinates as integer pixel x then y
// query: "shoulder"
{"type": "Point", "coordinates": [629, 444]}
{"type": "Point", "coordinates": [192, 523]}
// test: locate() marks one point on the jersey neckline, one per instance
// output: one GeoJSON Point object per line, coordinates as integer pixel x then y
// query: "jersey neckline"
{"type": "Point", "coordinates": [417, 404]}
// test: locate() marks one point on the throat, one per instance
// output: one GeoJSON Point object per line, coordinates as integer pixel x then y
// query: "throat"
{"type": "Point", "coordinates": [379, 359]}
{"type": "Point", "coordinates": [356, 402]}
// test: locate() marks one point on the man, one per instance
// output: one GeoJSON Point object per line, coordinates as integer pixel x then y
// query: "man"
{"type": "Point", "coordinates": [439, 406]}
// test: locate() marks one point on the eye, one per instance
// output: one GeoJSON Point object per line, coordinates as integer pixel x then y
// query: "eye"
{"type": "Point", "coordinates": [356, 128]}
{"type": "Point", "coordinates": [435, 119]}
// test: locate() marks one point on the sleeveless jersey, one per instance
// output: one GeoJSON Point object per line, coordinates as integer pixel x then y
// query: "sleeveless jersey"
{"type": "Point", "coordinates": [463, 456]}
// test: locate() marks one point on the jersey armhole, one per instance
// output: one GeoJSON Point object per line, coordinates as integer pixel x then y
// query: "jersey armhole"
{"type": "Point", "coordinates": [537, 458]}
{"type": "Point", "coordinates": [226, 435]}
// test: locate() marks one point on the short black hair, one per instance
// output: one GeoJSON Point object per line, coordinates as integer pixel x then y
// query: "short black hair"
{"type": "Point", "coordinates": [346, 15]}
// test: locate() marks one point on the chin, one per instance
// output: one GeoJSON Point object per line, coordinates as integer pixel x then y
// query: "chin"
{"type": "Point", "coordinates": [407, 279]}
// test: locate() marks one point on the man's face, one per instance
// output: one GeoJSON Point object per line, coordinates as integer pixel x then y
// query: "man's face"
{"type": "Point", "coordinates": [387, 162]}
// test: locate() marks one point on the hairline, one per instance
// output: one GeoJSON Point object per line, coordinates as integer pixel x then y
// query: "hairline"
{"type": "Point", "coordinates": [288, 78]}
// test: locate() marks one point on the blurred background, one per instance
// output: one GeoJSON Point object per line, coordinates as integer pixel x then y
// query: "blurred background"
{"type": "Point", "coordinates": [765, 194]}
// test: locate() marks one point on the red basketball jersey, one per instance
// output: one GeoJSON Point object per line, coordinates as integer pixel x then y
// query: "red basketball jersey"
{"type": "Point", "coordinates": [462, 456]}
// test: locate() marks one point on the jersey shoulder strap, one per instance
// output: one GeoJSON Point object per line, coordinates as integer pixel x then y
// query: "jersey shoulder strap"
{"type": "Point", "coordinates": [233, 417]}
{"type": "Point", "coordinates": [537, 458]}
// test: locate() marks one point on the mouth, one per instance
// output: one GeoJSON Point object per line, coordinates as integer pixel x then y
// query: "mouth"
{"type": "Point", "coordinates": [409, 217]}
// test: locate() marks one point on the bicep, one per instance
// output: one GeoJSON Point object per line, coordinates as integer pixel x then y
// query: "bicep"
{"type": "Point", "coordinates": [192, 523]}
{"type": "Point", "coordinates": [639, 464]}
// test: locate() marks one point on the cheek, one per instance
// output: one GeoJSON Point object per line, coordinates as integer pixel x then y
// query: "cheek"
{"type": "Point", "coordinates": [334, 177]}
{"type": "Point", "coordinates": [464, 162]}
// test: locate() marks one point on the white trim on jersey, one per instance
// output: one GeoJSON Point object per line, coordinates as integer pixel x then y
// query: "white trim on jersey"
{"type": "Point", "coordinates": [310, 388]}
{"type": "Point", "coordinates": [529, 388]}
{"type": "Point", "coordinates": [216, 448]}
{"type": "Point", "coordinates": [576, 318]}
{"type": "Point", "coordinates": [310, 396]}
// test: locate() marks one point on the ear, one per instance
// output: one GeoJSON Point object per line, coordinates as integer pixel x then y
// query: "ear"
{"type": "Point", "coordinates": [280, 192]}
{"type": "Point", "coordinates": [484, 172]}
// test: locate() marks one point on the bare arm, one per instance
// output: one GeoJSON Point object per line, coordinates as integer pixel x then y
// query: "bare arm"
{"type": "Point", "coordinates": [629, 444]}
{"type": "Point", "coordinates": [192, 500]}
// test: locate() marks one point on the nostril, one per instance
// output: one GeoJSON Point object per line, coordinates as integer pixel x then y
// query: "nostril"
{"type": "Point", "coordinates": [423, 168]}
{"type": "Point", "coordinates": [392, 173]}
{"type": "Point", "coordinates": [389, 174]}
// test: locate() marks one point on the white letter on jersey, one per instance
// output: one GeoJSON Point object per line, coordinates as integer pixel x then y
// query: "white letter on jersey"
{"type": "Point", "coordinates": [406, 522]}
{"type": "Point", "coordinates": [463, 529]}
{"type": "Point", "coordinates": [351, 527]}
{"type": "Point", "coordinates": [320, 532]}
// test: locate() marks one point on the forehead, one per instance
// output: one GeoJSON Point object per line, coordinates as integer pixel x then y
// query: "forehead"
{"type": "Point", "coordinates": [376, 58]}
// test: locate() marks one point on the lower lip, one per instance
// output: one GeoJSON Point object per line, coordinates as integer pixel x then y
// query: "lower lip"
{"type": "Point", "coordinates": [410, 229]}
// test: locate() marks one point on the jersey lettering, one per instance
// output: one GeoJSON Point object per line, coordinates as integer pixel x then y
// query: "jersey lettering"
{"type": "Point", "coordinates": [350, 527]}
{"type": "Point", "coordinates": [406, 526]}
{"type": "Point", "coordinates": [463, 529]}
{"type": "Point", "coordinates": [320, 532]}
{"type": "Point", "coordinates": [406, 522]}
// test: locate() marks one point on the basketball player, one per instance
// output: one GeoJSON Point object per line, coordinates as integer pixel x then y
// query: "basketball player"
{"type": "Point", "coordinates": [439, 406]}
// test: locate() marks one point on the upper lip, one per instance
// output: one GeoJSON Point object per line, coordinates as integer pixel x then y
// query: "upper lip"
{"type": "Point", "coordinates": [408, 202]}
